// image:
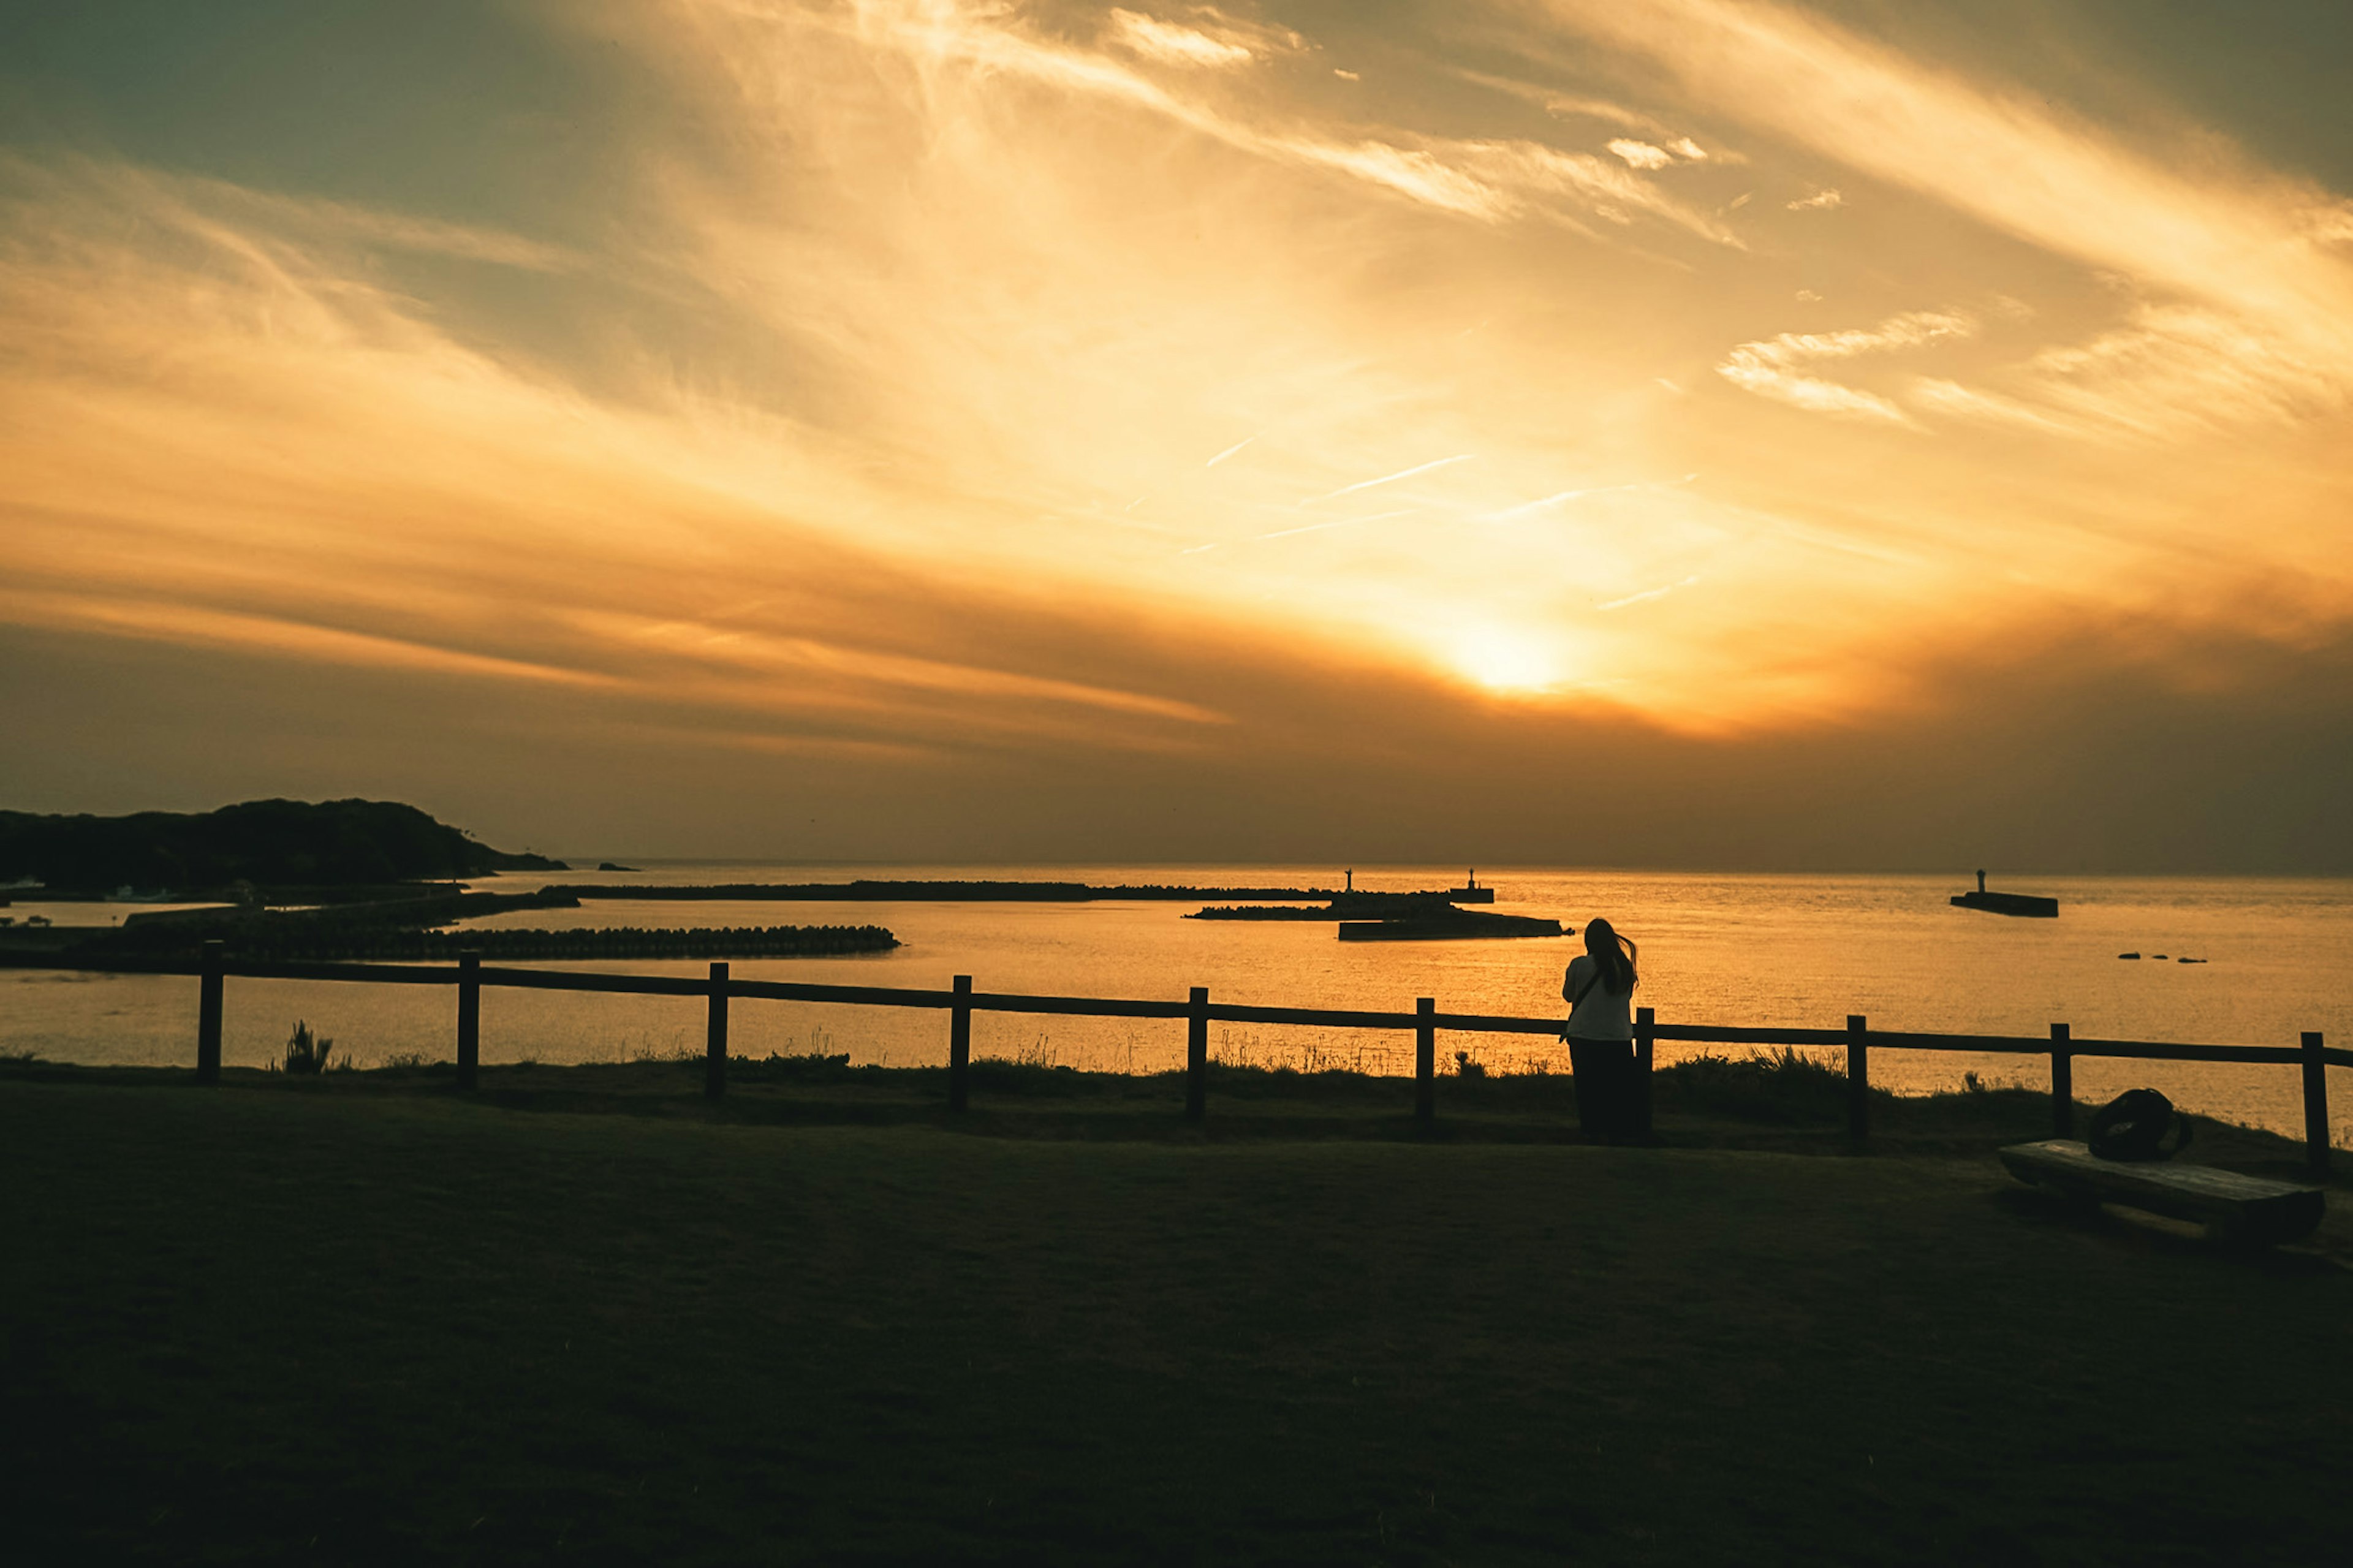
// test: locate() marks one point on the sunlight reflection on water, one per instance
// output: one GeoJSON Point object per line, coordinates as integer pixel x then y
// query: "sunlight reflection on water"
{"type": "Point", "coordinates": [1716, 949]}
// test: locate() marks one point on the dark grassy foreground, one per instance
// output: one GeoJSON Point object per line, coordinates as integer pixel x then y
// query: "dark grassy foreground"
{"type": "Point", "coordinates": [360, 1320]}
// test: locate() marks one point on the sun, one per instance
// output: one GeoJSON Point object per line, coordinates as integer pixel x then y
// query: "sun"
{"type": "Point", "coordinates": [1505, 661]}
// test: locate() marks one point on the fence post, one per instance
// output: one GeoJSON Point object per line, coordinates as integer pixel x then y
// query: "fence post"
{"type": "Point", "coordinates": [2316, 1105]}
{"type": "Point", "coordinates": [714, 1060]}
{"type": "Point", "coordinates": [2063, 1083]}
{"type": "Point", "coordinates": [1858, 1078]}
{"type": "Point", "coordinates": [1645, 1051]}
{"type": "Point", "coordinates": [1425, 1062]}
{"type": "Point", "coordinates": [469, 1018]}
{"type": "Point", "coordinates": [208, 1013]}
{"type": "Point", "coordinates": [1197, 1055]}
{"type": "Point", "coordinates": [960, 1044]}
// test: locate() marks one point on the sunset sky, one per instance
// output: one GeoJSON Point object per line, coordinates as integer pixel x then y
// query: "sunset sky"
{"type": "Point", "coordinates": [1615, 432]}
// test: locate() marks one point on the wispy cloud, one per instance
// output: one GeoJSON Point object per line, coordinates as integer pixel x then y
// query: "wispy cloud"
{"type": "Point", "coordinates": [1641, 154]}
{"type": "Point", "coordinates": [737, 647]}
{"type": "Point", "coordinates": [1820, 201]}
{"type": "Point", "coordinates": [2177, 367]}
{"type": "Point", "coordinates": [1489, 181]}
{"type": "Point", "coordinates": [2167, 372]}
{"type": "Point", "coordinates": [155, 618]}
{"type": "Point", "coordinates": [1772, 368]}
{"type": "Point", "coordinates": [1953, 399]}
{"type": "Point", "coordinates": [1565, 105]}
{"type": "Point", "coordinates": [323, 478]}
{"type": "Point", "coordinates": [2243, 239]}
{"type": "Point", "coordinates": [1210, 39]}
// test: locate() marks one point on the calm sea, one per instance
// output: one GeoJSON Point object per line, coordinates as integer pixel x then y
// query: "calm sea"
{"type": "Point", "coordinates": [1715, 948]}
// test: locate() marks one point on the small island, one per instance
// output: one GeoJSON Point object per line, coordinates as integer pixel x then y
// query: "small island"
{"type": "Point", "coordinates": [284, 880]}
{"type": "Point", "coordinates": [255, 847]}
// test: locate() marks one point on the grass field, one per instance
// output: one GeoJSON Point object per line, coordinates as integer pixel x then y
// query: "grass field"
{"type": "Point", "coordinates": [365, 1321]}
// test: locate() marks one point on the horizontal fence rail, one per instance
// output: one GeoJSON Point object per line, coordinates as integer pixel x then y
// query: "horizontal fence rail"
{"type": "Point", "coordinates": [468, 974]}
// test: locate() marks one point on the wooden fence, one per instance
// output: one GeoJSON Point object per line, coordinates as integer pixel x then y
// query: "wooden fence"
{"type": "Point", "coordinates": [960, 1001]}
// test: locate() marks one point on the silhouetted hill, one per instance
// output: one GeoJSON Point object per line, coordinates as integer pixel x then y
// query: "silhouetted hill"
{"type": "Point", "coordinates": [332, 842]}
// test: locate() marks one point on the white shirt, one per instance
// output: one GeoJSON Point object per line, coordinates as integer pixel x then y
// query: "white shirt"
{"type": "Point", "coordinates": [1601, 1016]}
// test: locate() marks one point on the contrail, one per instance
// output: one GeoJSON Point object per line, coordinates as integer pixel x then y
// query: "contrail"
{"type": "Point", "coordinates": [1537, 505]}
{"type": "Point", "coordinates": [1389, 479]}
{"type": "Point", "coordinates": [1341, 522]}
{"type": "Point", "coordinates": [1543, 501]}
{"type": "Point", "coordinates": [1646, 593]}
{"type": "Point", "coordinates": [1229, 451]}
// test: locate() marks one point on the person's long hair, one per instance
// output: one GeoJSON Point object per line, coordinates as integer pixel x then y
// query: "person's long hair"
{"type": "Point", "coordinates": [1614, 954]}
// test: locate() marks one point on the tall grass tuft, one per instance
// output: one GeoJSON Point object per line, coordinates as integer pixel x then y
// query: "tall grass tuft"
{"type": "Point", "coordinates": [306, 1052]}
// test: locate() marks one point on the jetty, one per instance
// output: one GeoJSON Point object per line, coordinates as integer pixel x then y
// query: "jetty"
{"type": "Point", "coordinates": [1427, 915]}
{"type": "Point", "coordinates": [1420, 913]}
{"type": "Point", "coordinates": [1470, 892]}
{"type": "Point", "coordinates": [2031, 906]}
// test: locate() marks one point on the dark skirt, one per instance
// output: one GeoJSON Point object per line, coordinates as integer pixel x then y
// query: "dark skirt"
{"type": "Point", "coordinates": [1607, 1093]}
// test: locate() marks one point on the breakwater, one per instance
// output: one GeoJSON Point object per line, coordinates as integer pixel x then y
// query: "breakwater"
{"type": "Point", "coordinates": [616, 943]}
{"type": "Point", "coordinates": [873, 890]}
{"type": "Point", "coordinates": [299, 941]}
{"type": "Point", "coordinates": [1266, 912]}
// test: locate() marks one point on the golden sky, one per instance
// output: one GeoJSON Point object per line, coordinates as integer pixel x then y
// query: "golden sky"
{"type": "Point", "coordinates": [1694, 432]}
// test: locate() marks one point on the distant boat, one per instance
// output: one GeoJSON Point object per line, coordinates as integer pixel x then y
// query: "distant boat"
{"type": "Point", "coordinates": [1443, 923]}
{"type": "Point", "coordinates": [2033, 906]}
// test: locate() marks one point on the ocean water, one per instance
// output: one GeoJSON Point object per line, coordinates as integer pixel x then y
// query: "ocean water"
{"type": "Point", "coordinates": [1749, 949]}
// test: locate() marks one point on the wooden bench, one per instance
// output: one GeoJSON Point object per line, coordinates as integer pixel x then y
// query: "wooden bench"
{"type": "Point", "coordinates": [2250, 1210]}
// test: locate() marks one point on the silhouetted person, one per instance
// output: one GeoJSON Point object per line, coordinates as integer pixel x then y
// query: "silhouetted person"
{"type": "Point", "coordinates": [1600, 991]}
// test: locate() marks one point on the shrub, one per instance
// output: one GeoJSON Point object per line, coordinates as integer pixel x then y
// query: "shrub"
{"type": "Point", "coordinates": [1784, 1085]}
{"type": "Point", "coordinates": [1465, 1068]}
{"type": "Point", "coordinates": [306, 1052]}
{"type": "Point", "coordinates": [824, 1066]}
